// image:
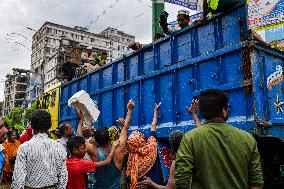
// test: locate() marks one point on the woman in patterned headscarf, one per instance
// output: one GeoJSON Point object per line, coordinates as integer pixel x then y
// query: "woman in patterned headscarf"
{"type": "Point", "coordinates": [142, 153]}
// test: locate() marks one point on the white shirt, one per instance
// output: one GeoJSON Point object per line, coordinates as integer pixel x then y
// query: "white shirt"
{"type": "Point", "coordinates": [40, 162]}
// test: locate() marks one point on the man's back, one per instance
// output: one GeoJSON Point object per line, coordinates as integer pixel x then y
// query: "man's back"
{"type": "Point", "coordinates": [217, 155]}
{"type": "Point", "coordinates": [40, 162]}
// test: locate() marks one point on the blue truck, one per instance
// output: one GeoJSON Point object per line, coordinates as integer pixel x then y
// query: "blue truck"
{"type": "Point", "coordinates": [220, 54]}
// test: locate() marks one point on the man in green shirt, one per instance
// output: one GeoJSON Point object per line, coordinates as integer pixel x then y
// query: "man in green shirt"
{"type": "Point", "coordinates": [217, 155]}
{"type": "Point", "coordinates": [217, 6]}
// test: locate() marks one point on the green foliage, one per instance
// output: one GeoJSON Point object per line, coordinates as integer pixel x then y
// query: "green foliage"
{"type": "Point", "coordinates": [19, 117]}
{"type": "Point", "coordinates": [30, 110]}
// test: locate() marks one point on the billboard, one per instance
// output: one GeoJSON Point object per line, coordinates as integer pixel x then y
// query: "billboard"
{"type": "Point", "coordinates": [265, 14]}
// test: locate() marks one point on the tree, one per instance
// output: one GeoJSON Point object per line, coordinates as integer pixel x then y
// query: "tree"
{"type": "Point", "coordinates": [14, 119]}
{"type": "Point", "coordinates": [29, 111]}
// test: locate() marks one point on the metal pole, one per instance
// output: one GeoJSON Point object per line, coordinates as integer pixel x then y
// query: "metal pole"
{"type": "Point", "coordinates": [157, 7]}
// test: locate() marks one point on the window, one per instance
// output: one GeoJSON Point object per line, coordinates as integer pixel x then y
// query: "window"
{"type": "Point", "coordinates": [47, 50]}
{"type": "Point", "coordinates": [82, 38]}
{"type": "Point", "coordinates": [53, 98]}
{"type": "Point", "coordinates": [48, 30]}
{"type": "Point", "coordinates": [92, 39]}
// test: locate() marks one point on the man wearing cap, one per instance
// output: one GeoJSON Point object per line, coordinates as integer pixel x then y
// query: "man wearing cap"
{"type": "Point", "coordinates": [182, 18]}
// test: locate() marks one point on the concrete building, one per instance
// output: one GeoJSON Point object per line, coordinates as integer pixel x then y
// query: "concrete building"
{"type": "Point", "coordinates": [46, 42]}
{"type": "Point", "coordinates": [15, 89]}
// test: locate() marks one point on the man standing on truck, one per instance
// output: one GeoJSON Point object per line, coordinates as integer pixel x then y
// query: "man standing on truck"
{"type": "Point", "coordinates": [217, 155]}
{"type": "Point", "coordinates": [182, 19]}
{"type": "Point", "coordinates": [217, 6]}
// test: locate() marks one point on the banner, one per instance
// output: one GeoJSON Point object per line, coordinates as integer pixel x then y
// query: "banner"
{"type": "Point", "coordinates": [265, 14]}
{"type": "Point", "coordinates": [190, 4]}
{"type": "Point", "coordinates": [276, 33]}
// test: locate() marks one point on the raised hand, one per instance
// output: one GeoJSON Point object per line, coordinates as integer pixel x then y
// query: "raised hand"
{"type": "Point", "coordinates": [157, 106]}
{"type": "Point", "coordinates": [121, 121]}
{"type": "Point", "coordinates": [80, 115]}
{"type": "Point", "coordinates": [193, 109]}
{"type": "Point", "coordinates": [130, 105]}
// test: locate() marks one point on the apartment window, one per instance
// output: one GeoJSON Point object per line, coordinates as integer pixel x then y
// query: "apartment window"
{"type": "Point", "coordinates": [82, 38]}
{"type": "Point", "coordinates": [92, 39]}
{"type": "Point", "coordinates": [72, 35]}
{"type": "Point", "coordinates": [47, 50]}
{"type": "Point", "coordinates": [48, 30]}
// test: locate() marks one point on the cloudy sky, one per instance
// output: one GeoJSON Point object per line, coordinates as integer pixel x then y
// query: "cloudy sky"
{"type": "Point", "coordinates": [16, 16]}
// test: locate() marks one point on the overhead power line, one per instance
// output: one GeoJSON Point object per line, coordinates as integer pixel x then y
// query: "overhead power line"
{"type": "Point", "coordinates": [102, 14]}
{"type": "Point", "coordinates": [135, 17]}
{"type": "Point", "coordinates": [140, 1]}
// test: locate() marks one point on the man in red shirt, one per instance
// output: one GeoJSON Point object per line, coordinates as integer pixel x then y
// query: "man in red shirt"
{"type": "Point", "coordinates": [78, 167]}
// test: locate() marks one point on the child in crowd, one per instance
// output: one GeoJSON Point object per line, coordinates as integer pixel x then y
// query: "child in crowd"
{"type": "Point", "coordinates": [78, 167]}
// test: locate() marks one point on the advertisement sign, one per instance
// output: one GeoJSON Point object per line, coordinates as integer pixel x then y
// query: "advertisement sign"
{"type": "Point", "coordinates": [265, 14]}
{"type": "Point", "coordinates": [276, 33]}
{"type": "Point", "coordinates": [190, 4]}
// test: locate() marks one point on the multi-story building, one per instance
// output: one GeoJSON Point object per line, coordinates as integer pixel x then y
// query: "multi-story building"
{"type": "Point", "coordinates": [46, 42]}
{"type": "Point", "coordinates": [15, 89]}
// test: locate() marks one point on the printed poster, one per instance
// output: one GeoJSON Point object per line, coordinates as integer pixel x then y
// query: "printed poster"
{"type": "Point", "coordinates": [265, 14]}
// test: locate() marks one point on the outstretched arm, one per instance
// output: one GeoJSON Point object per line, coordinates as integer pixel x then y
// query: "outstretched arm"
{"type": "Point", "coordinates": [147, 181]}
{"type": "Point", "coordinates": [123, 135]}
{"type": "Point", "coordinates": [107, 161]}
{"type": "Point", "coordinates": [155, 118]}
{"type": "Point", "coordinates": [193, 111]}
{"type": "Point", "coordinates": [80, 116]}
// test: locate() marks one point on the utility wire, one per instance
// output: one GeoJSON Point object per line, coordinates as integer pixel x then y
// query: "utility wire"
{"type": "Point", "coordinates": [137, 16]}
{"type": "Point", "coordinates": [101, 15]}
{"type": "Point", "coordinates": [18, 43]}
{"type": "Point", "coordinates": [17, 34]}
{"type": "Point", "coordinates": [144, 3]}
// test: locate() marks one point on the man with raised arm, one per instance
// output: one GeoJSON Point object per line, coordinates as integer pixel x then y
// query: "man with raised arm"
{"type": "Point", "coordinates": [108, 177]}
{"type": "Point", "coordinates": [216, 154]}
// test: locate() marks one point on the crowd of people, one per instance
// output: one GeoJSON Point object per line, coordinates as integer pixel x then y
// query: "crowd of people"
{"type": "Point", "coordinates": [213, 155]}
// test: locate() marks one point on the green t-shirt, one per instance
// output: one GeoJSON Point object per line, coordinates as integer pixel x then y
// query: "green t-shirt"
{"type": "Point", "coordinates": [218, 156]}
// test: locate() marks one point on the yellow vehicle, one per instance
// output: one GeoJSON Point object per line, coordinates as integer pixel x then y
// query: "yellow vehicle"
{"type": "Point", "coordinates": [50, 102]}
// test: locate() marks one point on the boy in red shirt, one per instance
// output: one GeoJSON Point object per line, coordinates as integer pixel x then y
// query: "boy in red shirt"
{"type": "Point", "coordinates": [78, 167]}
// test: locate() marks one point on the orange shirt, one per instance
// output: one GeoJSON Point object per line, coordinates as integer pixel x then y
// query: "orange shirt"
{"type": "Point", "coordinates": [10, 151]}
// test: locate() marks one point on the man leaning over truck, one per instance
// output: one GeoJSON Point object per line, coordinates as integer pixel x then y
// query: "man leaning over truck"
{"type": "Point", "coordinates": [217, 155]}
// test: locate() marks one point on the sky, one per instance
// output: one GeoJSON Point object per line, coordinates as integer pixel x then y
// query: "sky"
{"type": "Point", "coordinates": [16, 16]}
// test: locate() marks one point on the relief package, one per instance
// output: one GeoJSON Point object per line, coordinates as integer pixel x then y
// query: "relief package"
{"type": "Point", "coordinates": [82, 101]}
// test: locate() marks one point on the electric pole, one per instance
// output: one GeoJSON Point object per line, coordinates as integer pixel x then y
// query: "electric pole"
{"type": "Point", "coordinates": [157, 7]}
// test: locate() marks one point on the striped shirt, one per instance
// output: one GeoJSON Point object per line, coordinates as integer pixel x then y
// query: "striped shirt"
{"type": "Point", "coordinates": [40, 162]}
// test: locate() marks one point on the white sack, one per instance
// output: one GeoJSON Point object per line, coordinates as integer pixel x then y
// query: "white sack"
{"type": "Point", "coordinates": [82, 101]}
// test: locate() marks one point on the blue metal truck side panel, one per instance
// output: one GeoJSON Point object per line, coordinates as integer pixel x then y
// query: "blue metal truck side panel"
{"type": "Point", "coordinates": [175, 70]}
